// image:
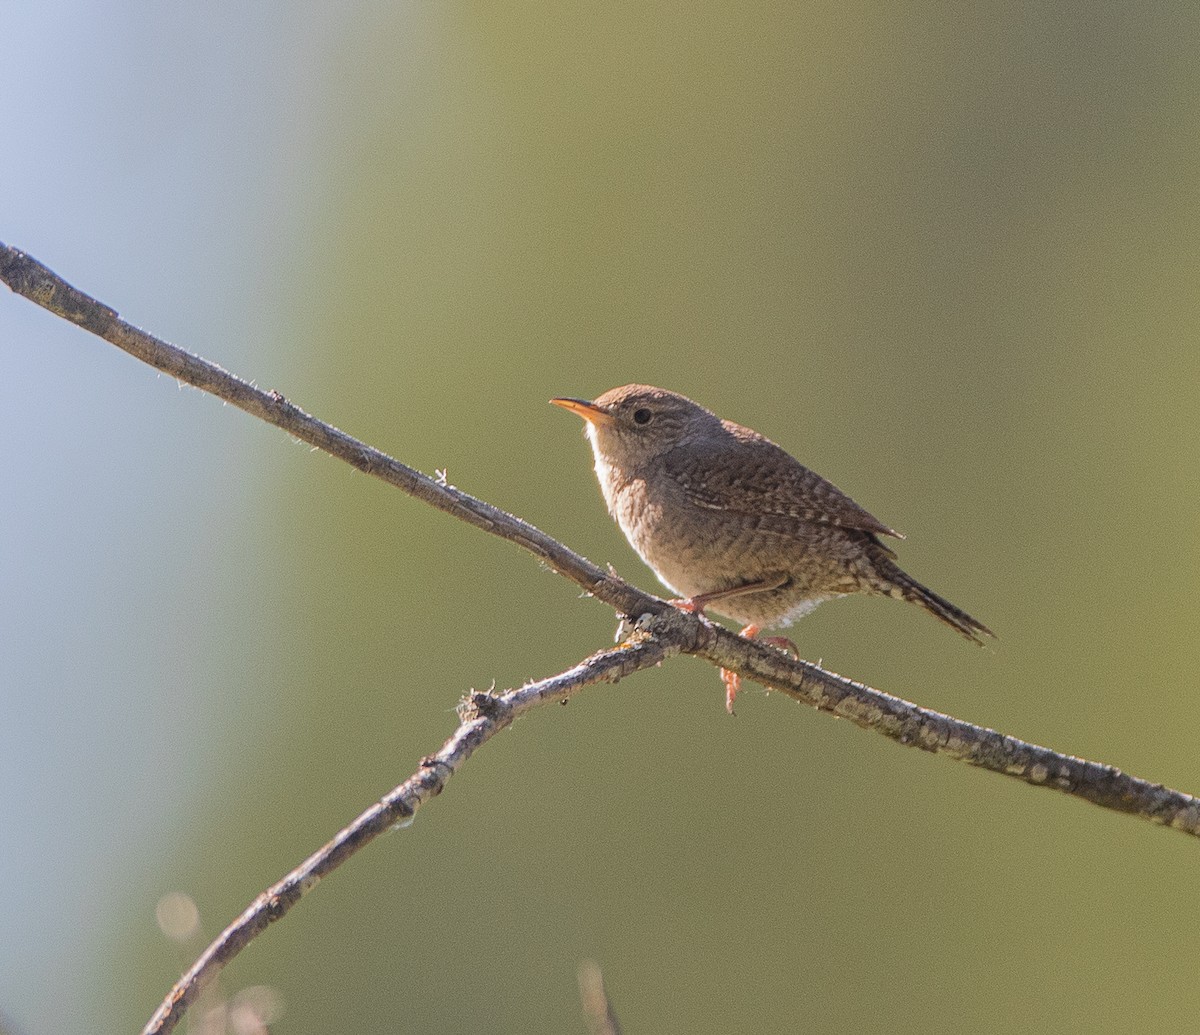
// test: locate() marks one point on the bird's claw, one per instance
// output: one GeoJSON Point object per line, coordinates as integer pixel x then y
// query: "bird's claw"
{"type": "Point", "coordinates": [733, 683]}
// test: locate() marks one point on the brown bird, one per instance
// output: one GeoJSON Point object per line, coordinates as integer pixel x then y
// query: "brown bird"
{"type": "Point", "coordinates": [732, 523]}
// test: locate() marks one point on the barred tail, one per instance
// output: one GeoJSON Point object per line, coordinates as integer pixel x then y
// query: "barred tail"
{"type": "Point", "coordinates": [898, 583]}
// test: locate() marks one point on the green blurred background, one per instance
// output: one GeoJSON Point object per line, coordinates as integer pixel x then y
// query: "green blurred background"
{"type": "Point", "coordinates": [947, 256]}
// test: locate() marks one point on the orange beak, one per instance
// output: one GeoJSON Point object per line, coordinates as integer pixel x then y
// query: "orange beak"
{"type": "Point", "coordinates": [589, 411]}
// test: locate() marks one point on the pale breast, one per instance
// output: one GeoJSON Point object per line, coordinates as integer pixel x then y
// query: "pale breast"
{"type": "Point", "coordinates": [691, 550]}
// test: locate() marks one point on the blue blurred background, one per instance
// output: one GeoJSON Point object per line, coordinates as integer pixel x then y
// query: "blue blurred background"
{"type": "Point", "coordinates": [946, 256]}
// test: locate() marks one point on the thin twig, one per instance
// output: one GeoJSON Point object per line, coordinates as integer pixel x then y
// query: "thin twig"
{"type": "Point", "coordinates": [662, 628]}
{"type": "Point", "coordinates": [482, 715]}
{"type": "Point", "coordinates": [597, 1007]}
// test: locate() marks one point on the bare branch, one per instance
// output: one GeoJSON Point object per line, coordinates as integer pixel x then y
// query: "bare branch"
{"type": "Point", "coordinates": [597, 1007]}
{"type": "Point", "coordinates": [26, 276]}
{"type": "Point", "coordinates": [663, 630]}
{"type": "Point", "coordinates": [913, 726]}
{"type": "Point", "coordinates": [482, 716]}
{"type": "Point", "coordinates": [900, 720]}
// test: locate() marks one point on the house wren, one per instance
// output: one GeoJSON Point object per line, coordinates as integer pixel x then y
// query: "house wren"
{"type": "Point", "coordinates": [732, 523]}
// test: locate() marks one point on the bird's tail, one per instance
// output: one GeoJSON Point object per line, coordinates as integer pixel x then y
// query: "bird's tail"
{"type": "Point", "coordinates": [898, 583]}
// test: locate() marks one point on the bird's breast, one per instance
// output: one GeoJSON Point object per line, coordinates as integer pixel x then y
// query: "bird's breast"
{"type": "Point", "coordinates": [665, 529]}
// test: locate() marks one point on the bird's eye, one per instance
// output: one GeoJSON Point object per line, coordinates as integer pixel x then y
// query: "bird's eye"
{"type": "Point", "coordinates": [642, 416]}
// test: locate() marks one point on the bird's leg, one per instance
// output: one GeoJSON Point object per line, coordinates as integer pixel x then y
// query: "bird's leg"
{"type": "Point", "coordinates": [783, 643]}
{"type": "Point", "coordinates": [733, 682]}
{"type": "Point", "coordinates": [698, 603]}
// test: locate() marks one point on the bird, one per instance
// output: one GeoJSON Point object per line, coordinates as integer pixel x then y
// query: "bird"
{"type": "Point", "coordinates": [733, 524]}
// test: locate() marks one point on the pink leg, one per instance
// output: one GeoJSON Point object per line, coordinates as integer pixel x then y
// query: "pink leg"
{"type": "Point", "coordinates": [732, 681]}
{"type": "Point", "coordinates": [783, 643]}
{"type": "Point", "coordinates": [697, 604]}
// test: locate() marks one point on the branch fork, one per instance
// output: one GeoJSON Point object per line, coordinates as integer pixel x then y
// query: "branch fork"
{"type": "Point", "coordinates": [659, 630]}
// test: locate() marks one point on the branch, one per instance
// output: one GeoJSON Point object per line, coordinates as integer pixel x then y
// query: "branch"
{"type": "Point", "coordinates": [26, 276]}
{"type": "Point", "coordinates": [662, 630]}
{"type": "Point", "coordinates": [807, 683]}
{"type": "Point", "coordinates": [597, 1007]}
{"type": "Point", "coordinates": [482, 715]}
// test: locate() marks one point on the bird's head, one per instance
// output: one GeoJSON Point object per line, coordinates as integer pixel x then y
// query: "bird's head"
{"type": "Point", "coordinates": [633, 425]}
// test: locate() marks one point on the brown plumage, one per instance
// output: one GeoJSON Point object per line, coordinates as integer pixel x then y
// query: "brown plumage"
{"type": "Point", "coordinates": [731, 522]}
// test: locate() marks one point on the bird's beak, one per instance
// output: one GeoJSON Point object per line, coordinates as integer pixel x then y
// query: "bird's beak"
{"type": "Point", "coordinates": [589, 411]}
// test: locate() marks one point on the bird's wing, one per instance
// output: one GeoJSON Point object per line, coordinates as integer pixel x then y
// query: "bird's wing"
{"type": "Point", "coordinates": [768, 482]}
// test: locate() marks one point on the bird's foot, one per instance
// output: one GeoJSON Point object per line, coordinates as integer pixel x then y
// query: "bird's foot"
{"type": "Point", "coordinates": [733, 683]}
{"type": "Point", "coordinates": [784, 644]}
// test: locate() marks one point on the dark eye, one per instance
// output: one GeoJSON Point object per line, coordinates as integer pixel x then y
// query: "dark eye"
{"type": "Point", "coordinates": [642, 416]}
